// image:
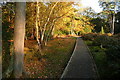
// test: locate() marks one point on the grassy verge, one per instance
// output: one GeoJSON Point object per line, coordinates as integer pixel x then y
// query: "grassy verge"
{"type": "Point", "coordinates": [100, 58]}
{"type": "Point", "coordinates": [52, 63]}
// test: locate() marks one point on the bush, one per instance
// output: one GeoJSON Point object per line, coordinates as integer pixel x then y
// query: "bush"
{"type": "Point", "coordinates": [100, 40]}
{"type": "Point", "coordinates": [112, 46]}
{"type": "Point", "coordinates": [105, 41]}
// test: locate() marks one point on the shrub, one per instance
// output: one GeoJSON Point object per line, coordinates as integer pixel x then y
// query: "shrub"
{"type": "Point", "coordinates": [100, 40]}
{"type": "Point", "coordinates": [111, 49]}
{"type": "Point", "coordinates": [113, 58]}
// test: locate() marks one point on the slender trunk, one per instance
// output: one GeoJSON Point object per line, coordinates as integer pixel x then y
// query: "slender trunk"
{"type": "Point", "coordinates": [52, 32]}
{"type": "Point", "coordinates": [19, 34]}
{"type": "Point", "coordinates": [26, 38]}
{"type": "Point", "coordinates": [49, 32]}
{"type": "Point", "coordinates": [32, 35]}
{"type": "Point", "coordinates": [113, 24]}
{"type": "Point", "coordinates": [48, 35]}
{"type": "Point", "coordinates": [37, 28]}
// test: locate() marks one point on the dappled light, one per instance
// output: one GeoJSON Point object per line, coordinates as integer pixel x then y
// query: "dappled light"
{"type": "Point", "coordinates": [53, 37]}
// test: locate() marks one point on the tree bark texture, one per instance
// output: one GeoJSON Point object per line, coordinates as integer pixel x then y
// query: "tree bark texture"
{"type": "Point", "coordinates": [19, 34]}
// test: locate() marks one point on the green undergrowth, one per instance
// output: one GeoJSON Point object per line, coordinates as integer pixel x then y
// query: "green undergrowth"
{"type": "Point", "coordinates": [105, 49]}
{"type": "Point", "coordinates": [100, 58]}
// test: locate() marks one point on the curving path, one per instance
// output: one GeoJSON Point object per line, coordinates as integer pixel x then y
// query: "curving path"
{"type": "Point", "coordinates": [81, 64]}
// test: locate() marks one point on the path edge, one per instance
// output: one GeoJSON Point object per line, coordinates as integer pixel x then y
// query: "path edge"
{"type": "Point", "coordinates": [66, 68]}
{"type": "Point", "coordinates": [94, 64]}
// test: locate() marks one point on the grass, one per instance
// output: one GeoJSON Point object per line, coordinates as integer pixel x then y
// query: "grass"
{"type": "Point", "coordinates": [53, 61]}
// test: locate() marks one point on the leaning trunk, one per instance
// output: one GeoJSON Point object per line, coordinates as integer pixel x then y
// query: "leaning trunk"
{"type": "Point", "coordinates": [19, 34]}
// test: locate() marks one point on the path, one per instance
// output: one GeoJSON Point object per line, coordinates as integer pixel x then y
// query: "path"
{"type": "Point", "coordinates": [81, 64]}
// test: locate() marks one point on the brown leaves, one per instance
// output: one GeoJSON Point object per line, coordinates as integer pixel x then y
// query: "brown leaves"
{"type": "Point", "coordinates": [35, 68]}
{"type": "Point", "coordinates": [51, 65]}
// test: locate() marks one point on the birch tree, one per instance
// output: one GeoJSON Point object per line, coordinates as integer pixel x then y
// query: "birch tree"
{"type": "Point", "coordinates": [45, 25]}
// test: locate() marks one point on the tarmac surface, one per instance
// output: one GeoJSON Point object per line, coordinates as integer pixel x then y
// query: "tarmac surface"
{"type": "Point", "coordinates": [81, 64]}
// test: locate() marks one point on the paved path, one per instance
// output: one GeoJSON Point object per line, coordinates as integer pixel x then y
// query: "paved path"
{"type": "Point", "coordinates": [81, 64]}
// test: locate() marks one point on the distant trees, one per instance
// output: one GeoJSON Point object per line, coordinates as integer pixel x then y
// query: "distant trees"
{"type": "Point", "coordinates": [112, 7]}
{"type": "Point", "coordinates": [100, 23]}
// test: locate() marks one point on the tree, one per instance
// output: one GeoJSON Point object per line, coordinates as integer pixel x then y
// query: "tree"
{"type": "Point", "coordinates": [37, 24]}
{"type": "Point", "coordinates": [19, 34]}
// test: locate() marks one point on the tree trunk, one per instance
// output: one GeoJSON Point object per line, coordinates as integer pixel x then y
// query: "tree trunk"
{"type": "Point", "coordinates": [48, 35]}
{"type": "Point", "coordinates": [37, 28]}
{"type": "Point", "coordinates": [52, 32]}
{"type": "Point", "coordinates": [19, 34]}
{"type": "Point", "coordinates": [113, 24]}
{"type": "Point", "coordinates": [32, 35]}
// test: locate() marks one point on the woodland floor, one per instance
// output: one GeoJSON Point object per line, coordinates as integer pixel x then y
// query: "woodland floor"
{"type": "Point", "coordinates": [54, 57]}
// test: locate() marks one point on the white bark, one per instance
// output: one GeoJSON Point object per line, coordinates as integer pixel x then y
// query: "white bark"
{"type": "Point", "coordinates": [37, 28]}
